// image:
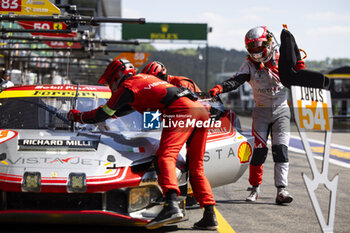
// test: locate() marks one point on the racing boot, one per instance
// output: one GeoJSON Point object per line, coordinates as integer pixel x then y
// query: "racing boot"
{"type": "Point", "coordinates": [190, 201]}
{"type": "Point", "coordinates": [208, 222]}
{"type": "Point", "coordinates": [170, 213]}
{"type": "Point", "coordinates": [283, 196]}
{"type": "Point", "coordinates": [254, 194]}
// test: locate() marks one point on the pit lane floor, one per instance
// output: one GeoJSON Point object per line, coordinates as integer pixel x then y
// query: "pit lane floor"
{"type": "Point", "coordinates": [241, 216]}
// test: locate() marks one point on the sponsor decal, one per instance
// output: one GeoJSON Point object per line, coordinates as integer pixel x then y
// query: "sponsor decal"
{"type": "Point", "coordinates": [6, 135]}
{"type": "Point", "coordinates": [64, 93]}
{"type": "Point", "coordinates": [217, 130]}
{"type": "Point", "coordinates": [56, 91]}
{"type": "Point", "coordinates": [62, 160]}
{"type": "Point", "coordinates": [272, 90]}
{"type": "Point", "coordinates": [56, 143]}
{"type": "Point", "coordinates": [66, 88]}
{"type": "Point", "coordinates": [49, 160]}
{"type": "Point", "coordinates": [244, 152]}
{"type": "Point", "coordinates": [155, 84]}
{"type": "Point", "coordinates": [219, 154]}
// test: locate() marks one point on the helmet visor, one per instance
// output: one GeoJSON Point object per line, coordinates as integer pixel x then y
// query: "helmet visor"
{"type": "Point", "coordinates": [256, 46]}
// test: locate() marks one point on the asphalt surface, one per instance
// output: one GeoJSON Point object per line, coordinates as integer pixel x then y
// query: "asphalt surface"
{"type": "Point", "coordinates": [241, 216]}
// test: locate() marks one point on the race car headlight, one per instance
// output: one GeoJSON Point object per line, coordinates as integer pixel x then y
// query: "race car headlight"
{"type": "Point", "coordinates": [139, 198]}
{"type": "Point", "coordinates": [76, 183]}
{"type": "Point", "coordinates": [31, 182]}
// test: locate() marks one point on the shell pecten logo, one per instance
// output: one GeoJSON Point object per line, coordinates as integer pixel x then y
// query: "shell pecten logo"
{"type": "Point", "coordinates": [6, 135]}
{"type": "Point", "coordinates": [244, 152]}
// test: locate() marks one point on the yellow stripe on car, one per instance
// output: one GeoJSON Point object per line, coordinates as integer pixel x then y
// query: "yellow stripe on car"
{"type": "Point", "coordinates": [49, 93]}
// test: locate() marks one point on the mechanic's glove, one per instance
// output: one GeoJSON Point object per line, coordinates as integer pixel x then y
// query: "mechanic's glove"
{"type": "Point", "coordinates": [75, 115]}
{"type": "Point", "coordinates": [216, 90]}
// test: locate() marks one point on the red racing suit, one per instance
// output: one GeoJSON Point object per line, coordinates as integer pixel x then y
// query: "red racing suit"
{"type": "Point", "coordinates": [181, 81]}
{"type": "Point", "coordinates": [144, 92]}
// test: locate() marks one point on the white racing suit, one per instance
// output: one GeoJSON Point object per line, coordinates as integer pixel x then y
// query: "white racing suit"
{"type": "Point", "coordinates": [271, 114]}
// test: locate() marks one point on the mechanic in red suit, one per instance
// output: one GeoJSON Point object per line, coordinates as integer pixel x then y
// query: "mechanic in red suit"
{"type": "Point", "coordinates": [144, 92]}
{"type": "Point", "coordinates": [157, 68]}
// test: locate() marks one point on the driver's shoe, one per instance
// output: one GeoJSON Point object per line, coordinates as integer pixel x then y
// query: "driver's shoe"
{"type": "Point", "coordinates": [283, 196]}
{"type": "Point", "coordinates": [208, 222]}
{"type": "Point", "coordinates": [254, 194]}
{"type": "Point", "coordinates": [170, 213]}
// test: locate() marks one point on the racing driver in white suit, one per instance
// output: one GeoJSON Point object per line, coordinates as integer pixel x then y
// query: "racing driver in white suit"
{"type": "Point", "coordinates": [271, 113]}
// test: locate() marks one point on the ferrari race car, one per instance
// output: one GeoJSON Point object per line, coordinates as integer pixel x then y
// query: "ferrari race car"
{"type": "Point", "coordinates": [54, 171]}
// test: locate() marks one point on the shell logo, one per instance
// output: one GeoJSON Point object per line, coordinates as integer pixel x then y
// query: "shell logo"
{"type": "Point", "coordinates": [244, 152]}
{"type": "Point", "coordinates": [6, 135]}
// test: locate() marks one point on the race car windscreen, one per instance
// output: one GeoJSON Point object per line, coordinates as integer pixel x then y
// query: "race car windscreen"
{"type": "Point", "coordinates": [51, 113]}
{"type": "Point", "coordinates": [40, 112]}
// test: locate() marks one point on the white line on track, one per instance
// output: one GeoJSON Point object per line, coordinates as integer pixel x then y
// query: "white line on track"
{"type": "Point", "coordinates": [300, 151]}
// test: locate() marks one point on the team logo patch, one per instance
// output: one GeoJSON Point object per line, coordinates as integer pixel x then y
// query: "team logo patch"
{"type": "Point", "coordinates": [151, 120]}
